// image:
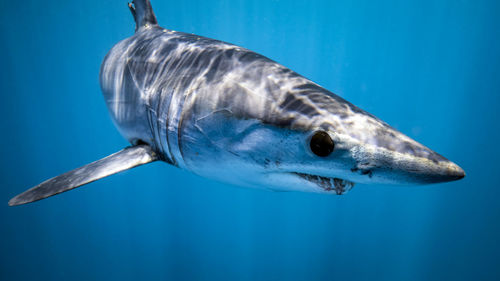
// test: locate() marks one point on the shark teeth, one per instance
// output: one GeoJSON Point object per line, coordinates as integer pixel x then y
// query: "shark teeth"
{"type": "Point", "coordinates": [340, 186]}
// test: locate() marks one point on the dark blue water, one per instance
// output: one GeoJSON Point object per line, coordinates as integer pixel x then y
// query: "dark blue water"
{"type": "Point", "coordinates": [429, 68]}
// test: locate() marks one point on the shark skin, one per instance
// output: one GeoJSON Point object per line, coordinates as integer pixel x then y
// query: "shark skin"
{"type": "Point", "coordinates": [230, 114]}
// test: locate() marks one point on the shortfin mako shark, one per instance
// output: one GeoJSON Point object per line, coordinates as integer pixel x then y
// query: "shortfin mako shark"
{"type": "Point", "coordinates": [230, 114]}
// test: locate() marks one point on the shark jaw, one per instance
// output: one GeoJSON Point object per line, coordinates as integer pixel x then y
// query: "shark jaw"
{"type": "Point", "coordinates": [339, 186]}
{"type": "Point", "coordinates": [294, 181]}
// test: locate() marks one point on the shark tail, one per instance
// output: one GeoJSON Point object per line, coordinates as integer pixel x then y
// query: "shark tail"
{"type": "Point", "coordinates": [143, 14]}
{"type": "Point", "coordinates": [125, 159]}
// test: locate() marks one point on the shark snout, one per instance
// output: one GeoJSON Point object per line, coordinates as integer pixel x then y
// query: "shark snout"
{"type": "Point", "coordinates": [391, 157]}
{"type": "Point", "coordinates": [408, 169]}
{"type": "Point", "coordinates": [423, 168]}
{"type": "Point", "coordinates": [448, 171]}
{"type": "Point", "coordinates": [425, 165]}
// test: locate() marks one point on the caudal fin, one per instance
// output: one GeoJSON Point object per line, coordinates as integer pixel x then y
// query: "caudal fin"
{"type": "Point", "coordinates": [125, 159]}
{"type": "Point", "coordinates": [143, 13]}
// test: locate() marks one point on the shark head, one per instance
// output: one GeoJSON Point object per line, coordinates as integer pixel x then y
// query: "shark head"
{"type": "Point", "coordinates": [288, 133]}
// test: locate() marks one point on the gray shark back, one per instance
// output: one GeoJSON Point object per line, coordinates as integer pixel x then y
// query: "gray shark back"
{"type": "Point", "coordinates": [167, 77]}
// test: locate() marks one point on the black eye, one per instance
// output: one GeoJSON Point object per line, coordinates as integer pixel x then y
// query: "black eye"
{"type": "Point", "coordinates": [321, 144]}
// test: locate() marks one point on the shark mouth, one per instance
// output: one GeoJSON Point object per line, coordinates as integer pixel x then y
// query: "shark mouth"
{"type": "Point", "coordinates": [340, 186]}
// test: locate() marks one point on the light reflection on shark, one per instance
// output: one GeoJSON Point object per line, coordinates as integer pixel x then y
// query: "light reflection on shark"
{"type": "Point", "coordinates": [227, 113]}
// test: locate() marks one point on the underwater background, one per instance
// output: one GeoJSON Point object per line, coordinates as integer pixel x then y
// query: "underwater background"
{"type": "Point", "coordinates": [428, 68]}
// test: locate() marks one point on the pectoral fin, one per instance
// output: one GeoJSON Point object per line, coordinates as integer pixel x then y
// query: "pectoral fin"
{"type": "Point", "coordinates": [125, 159]}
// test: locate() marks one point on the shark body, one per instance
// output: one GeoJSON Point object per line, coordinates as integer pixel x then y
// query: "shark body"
{"type": "Point", "coordinates": [227, 113]}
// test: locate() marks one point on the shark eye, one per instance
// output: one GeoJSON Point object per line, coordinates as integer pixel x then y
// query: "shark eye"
{"type": "Point", "coordinates": [321, 144]}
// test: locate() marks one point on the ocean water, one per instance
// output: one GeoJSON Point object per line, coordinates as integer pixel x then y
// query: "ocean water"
{"type": "Point", "coordinates": [429, 68]}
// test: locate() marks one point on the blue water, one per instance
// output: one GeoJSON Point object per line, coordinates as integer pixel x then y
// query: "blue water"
{"type": "Point", "coordinates": [429, 68]}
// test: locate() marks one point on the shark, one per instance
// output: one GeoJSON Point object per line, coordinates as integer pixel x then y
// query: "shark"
{"type": "Point", "coordinates": [229, 114]}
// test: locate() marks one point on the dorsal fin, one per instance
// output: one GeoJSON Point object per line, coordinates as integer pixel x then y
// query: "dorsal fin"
{"type": "Point", "coordinates": [143, 13]}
